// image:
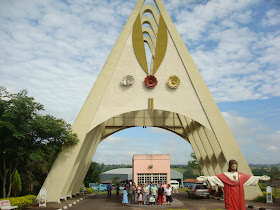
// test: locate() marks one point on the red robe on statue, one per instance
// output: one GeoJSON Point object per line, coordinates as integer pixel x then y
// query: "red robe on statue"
{"type": "Point", "coordinates": [234, 191]}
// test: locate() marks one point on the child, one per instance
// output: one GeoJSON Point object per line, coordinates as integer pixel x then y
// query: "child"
{"type": "Point", "coordinates": [140, 198]}
{"type": "Point", "coordinates": [124, 197]}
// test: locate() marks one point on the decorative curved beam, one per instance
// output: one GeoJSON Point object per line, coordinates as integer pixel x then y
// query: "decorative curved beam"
{"type": "Point", "coordinates": [150, 43]}
{"type": "Point", "coordinates": [156, 118]}
{"type": "Point", "coordinates": [138, 44]}
{"type": "Point", "coordinates": [147, 30]}
{"type": "Point", "coordinates": [150, 9]}
{"type": "Point", "coordinates": [151, 22]}
{"type": "Point", "coordinates": [161, 44]}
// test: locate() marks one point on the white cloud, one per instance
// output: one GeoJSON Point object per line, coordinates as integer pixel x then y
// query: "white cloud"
{"type": "Point", "coordinates": [254, 138]}
{"type": "Point", "coordinates": [116, 139]}
{"type": "Point", "coordinates": [144, 143]}
{"type": "Point", "coordinates": [232, 54]}
{"type": "Point", "coordinates": [272, 17]}
{"type": "Point", "coordinates": [52, 49]}
{"type": "Point", "coordinates": [271, 148]}
{"type": "Point", "coordinates": [56, 49]}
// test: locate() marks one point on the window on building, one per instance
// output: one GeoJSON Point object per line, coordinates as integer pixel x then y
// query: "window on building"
{"type": "Point", "coordinates": [145, 178]}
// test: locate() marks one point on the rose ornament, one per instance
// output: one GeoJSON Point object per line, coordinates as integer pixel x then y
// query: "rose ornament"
{"type": "Point", "coordinates": [127, 80]}
{"type": "Point", "coordinates": [150, 81]}
{"type": "Point", "coordinates": [173, 81]}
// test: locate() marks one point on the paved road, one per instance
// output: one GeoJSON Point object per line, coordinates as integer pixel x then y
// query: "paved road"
{"type": "Point", "coordinates": [180, 202]}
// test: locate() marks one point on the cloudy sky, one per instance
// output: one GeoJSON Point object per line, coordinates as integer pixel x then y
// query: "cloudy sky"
{"type": "Point", "coordinates": [56, 49]}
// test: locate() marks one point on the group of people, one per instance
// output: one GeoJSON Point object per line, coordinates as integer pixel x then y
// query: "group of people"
{"type": "Point", "coordinates": [232, 181]}
{"type": "Point", "coordinates": [147, 194]}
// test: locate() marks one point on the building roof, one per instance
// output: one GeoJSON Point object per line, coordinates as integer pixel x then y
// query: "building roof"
{"type": "Point", "coordinates": [119, 171]}
{"type": "Point", "coordinates": [190, 180]}
{"type": "Point", "coordinates": [173, 174]}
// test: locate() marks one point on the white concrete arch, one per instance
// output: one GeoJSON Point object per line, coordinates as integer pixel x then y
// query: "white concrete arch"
{"type": "Point", "coordinates": [151, 34]}
{"type": "Point", "coordinates": [191, 106]}
{"type": "Point", "coordinates": [150, 21]}
{"type": "Point", "coordinates": [174, 122]}
{"type": "Point", "coordinates": [150, 44]}
{"type": "Point", "coordinates": [150, 9]}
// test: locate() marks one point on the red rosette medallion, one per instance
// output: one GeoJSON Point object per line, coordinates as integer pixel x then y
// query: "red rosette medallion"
{"type": "Point", "coordinates": [150, 81]}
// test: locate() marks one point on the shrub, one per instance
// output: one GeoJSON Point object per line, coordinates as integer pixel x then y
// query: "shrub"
{"type": "Point", "coordinates": [262, 198]}
{"type": "Point", "coordinates": [16, 186]}
{"type": "Point", "coordinates": [264, 194]}
{"type": "Point", "coordinates": [22, 202]}
{"type": "Point", "coordinates": [90, 191]}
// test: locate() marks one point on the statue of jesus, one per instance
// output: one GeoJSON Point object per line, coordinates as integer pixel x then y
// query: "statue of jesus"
{"type": "Point", "coordinates": [233, 183]}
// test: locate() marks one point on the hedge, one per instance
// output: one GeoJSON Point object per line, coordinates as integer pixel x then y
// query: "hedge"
{"type": "Point", "coordinates": [22, 202]}
{"type": "Point", "coordinates": [262, 198]}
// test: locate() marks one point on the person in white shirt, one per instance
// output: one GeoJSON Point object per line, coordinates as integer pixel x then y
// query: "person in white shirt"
{"type": "Point", "coordinates": [168, 193]}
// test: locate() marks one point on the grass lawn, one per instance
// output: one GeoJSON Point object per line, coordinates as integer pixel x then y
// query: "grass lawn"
{"type": "Point", "coordinates": [184, 189]}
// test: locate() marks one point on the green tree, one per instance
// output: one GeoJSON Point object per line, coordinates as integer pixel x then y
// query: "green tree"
{"type": "Point", "coordinates": [188, 174]}
{"type": "Point", "coordinates": [93, 174]}
{"type": "Point", "coordinates": [193, 163]}
{"type": "Point", "coordinates": [36, 168]}
{"type": "Point", "coordinates": [274, 172]}
{"type": "Point", "coordinates": [23, 130]}
{"type": "Point", "coordinates": [16, 186]}
{"type": "Point", "coordinates": [116, 181]}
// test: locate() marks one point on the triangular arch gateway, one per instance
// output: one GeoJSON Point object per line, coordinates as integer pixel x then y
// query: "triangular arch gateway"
{"type": "Point", "coordinates": [171, 94]}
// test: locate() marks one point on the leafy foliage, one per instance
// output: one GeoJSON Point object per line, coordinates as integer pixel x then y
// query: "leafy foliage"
{"type": "Point", "coordinates": [93, 174]}
{"type": "Point", "coordinates": [22, 202]}
{"type": "Point", "coordinates": [193, 163]}
{"type": "Point", "coordinates": [16, 183]}
{"type": "Point", "coordinates": [89, 190]}
{"type": "Point", "coordinates": [28, 137]}
{"type": "Point", "coordinates": [116, 181]}
{"type": "Point", "coordinates": [262, 198]}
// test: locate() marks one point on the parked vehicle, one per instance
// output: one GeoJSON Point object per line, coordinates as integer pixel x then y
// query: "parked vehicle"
{"type": "Point", "coordinates": [98, 187]}
{"type": "Point", "coordinates": [174, 184]}
{"type": "Point", "coordinates": [199, 190]}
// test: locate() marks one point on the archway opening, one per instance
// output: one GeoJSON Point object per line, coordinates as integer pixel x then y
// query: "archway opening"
{"type": "Point", "coordinates": [120, 147]}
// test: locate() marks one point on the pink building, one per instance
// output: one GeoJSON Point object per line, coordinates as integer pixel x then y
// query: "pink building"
{"type": "Point", "coordinates": [150, 168]}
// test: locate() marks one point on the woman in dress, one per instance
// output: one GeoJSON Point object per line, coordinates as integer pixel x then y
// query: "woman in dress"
{"type": "Point", "coordinates": [124, 197]}
{"type": "Point", "coordinates": [140, 198]}
{"type": "Point", "coordinates": [139, 189]}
